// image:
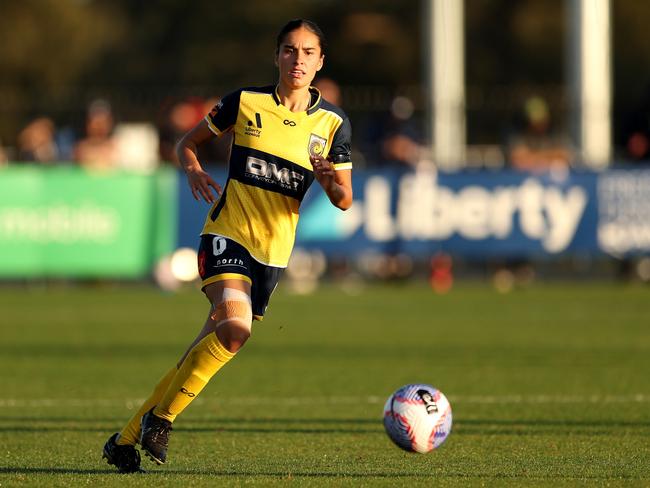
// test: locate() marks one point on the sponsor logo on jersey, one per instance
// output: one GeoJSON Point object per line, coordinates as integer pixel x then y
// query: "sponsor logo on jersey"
{"type": "Point", "coordinates": [316, 145]}
{"type": "Point", "coordinates": [254, 128]}
{"type": "Point", "coordinates": [270, 173]}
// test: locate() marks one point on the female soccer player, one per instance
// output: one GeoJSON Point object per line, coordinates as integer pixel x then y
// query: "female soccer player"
{"type": "Point", "coordinates": [284, 137]}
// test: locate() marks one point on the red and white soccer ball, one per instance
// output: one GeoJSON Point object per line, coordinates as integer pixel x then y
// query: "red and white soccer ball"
{"type": "Point", "coordinates": [417, 418]}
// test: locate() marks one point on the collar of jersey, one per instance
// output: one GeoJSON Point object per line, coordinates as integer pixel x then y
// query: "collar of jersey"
{"type": "Point", "coordinates": [314, 103]}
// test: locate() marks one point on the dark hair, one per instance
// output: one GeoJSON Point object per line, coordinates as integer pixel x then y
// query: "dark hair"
{"type": "Point", "coordinates": [294, 24]}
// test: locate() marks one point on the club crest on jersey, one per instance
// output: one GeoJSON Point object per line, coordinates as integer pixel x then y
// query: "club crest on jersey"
{"type": "Point", "coordinates": [316, 145]}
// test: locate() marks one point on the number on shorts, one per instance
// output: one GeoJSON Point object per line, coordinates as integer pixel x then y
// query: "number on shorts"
{"type": "Point", "coordinates": [218, 245]}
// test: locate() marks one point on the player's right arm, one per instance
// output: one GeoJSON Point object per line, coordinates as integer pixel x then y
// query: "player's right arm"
{"type": "Point", "coordinates": [186, 150]}
{"type": "Point", "coordinates": [220, 120]}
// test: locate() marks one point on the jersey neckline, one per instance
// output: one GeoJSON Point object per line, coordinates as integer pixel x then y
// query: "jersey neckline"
{"type": "Point", "coordinates": [315, 102]}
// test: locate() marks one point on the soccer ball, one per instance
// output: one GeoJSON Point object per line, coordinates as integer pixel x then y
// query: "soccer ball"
{"type": "Point", "coordinates": [417, 418]}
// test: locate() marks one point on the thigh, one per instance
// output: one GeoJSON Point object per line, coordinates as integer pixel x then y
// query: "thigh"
{"type": "Point", "coordinates": [265, 280]}
{"type": "Point", "coordinates": [222, 259]}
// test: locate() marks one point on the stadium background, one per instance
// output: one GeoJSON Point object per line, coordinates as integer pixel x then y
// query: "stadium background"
{"type": "Point", "coordinates": [157, 70]}
{"type": "Point", "coordinates": [518, 290]}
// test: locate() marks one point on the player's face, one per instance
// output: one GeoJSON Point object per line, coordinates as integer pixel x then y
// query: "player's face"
{"type": "Point", "coordinates": [299, 58]}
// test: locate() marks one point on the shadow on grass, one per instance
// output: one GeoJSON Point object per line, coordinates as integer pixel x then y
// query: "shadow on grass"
{"type": "Point", "coordinates": [546, 426]}
{"type": "Point", "coordinates": [291, 474]}
{"type": "Point", "coordinates": [352, 426]}
{"type": "Point", "coordinates": [28, 470]}
{"type": "Point", "coordinates": [243, 425]}
{"type": "Point", "coordinates": [89, 420]}
{"type": "Point", "coordinates": [215, 420]}
{"type": "Point", "coordinates": [228, 473]}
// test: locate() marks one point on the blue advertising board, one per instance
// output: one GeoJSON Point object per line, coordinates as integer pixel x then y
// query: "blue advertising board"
{"type": "Point", "coordinates": [472, 214]}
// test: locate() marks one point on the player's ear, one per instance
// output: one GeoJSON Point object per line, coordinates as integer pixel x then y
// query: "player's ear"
{"type": "Point", "coordinates": [320, 63]}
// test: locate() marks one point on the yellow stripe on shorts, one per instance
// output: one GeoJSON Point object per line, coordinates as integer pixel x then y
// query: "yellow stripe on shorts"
{"type": "Point", "coordinates": [226, 276]}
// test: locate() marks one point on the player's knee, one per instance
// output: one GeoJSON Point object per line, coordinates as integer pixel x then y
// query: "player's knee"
{"type": "Point", "coordinates": [233, 336]}
{"type": "Point", "coordinates": [233, 318]}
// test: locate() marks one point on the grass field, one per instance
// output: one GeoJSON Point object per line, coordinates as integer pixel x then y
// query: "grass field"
{"type": "Point", "coordinates": [550, 386]}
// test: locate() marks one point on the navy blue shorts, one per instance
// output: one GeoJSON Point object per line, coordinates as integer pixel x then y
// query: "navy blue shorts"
{"type": "Point", "coordinates": [221, 259]}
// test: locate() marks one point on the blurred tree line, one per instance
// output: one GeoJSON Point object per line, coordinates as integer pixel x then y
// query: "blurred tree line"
{"type": "Point", "coordinates": [57, 55]}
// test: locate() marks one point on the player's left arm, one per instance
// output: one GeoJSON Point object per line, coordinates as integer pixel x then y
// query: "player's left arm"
{"type": "Point", "coordinates": [336, 183]}
{"type": "Point", "coordinates": [334, 173]}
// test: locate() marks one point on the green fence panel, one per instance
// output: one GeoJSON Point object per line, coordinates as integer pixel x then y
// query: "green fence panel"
{"type": "Point", "coordinates": [67, 222]}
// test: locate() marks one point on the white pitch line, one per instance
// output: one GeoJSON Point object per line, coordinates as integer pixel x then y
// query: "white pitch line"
{"type": "Point", "coordinates": [335, 400]}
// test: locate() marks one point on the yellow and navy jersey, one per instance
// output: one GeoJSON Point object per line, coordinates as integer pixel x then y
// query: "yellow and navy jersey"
{"type": "Point", "coordinates": [269, 169]}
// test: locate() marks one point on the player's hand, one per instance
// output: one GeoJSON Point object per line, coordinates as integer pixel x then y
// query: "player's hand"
{"type": "Point", "coordinates": [323, 171]}
{"type": "Point", "coordinates": [337, 184]}
{"type": "Point", "coordinates": [200, 182]}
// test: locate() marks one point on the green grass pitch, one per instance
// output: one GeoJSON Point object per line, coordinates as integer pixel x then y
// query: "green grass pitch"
{"type": "Point", "coordinates": [550, 386]}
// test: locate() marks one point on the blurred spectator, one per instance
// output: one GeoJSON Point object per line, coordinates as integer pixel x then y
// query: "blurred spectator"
{"type": "Point", "coordinates": [97, 150]}
{"type": "Point", "coordinates": [66, 139]}
{"type": "Point", "coordinates": [637, 146]}
{"type": "Point", "coordinates": [4, 159]}
{"type": "Point", "coordinates": [637, 139]}
{"type": "Point", "coordinates": [534, 146]}
{"type": "Point", "coordinates": [36, 142]}
{"type": "Point", "coordinates": [329, 90]}
{"type": "Point", "coordinates": [401, 142]}
{"type": "Point", "coordinates": [395, 139]}
{"type": "Point", "coordinates": [179, 119]}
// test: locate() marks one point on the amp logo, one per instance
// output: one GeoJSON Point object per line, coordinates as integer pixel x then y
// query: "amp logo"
{"type": "Point", "coordinates": [270, 173]}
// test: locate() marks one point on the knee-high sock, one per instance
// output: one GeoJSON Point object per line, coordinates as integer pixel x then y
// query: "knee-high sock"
{"type": "Point", "coordinates": [202, 362]}
{"type": "Point", "coordinates": [131, 432]}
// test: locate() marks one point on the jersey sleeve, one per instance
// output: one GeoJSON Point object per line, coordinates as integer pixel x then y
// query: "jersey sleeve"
{"type": "Point", "coordinates": [340, 152]}
{"type": "Point", "coordinates": [224, 114]}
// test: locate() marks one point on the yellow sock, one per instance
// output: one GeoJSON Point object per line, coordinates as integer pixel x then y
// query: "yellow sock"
{"type": "Point", "coordinates": [131, 432]}
{"type": "Point", "coordinates": [202, 362]}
